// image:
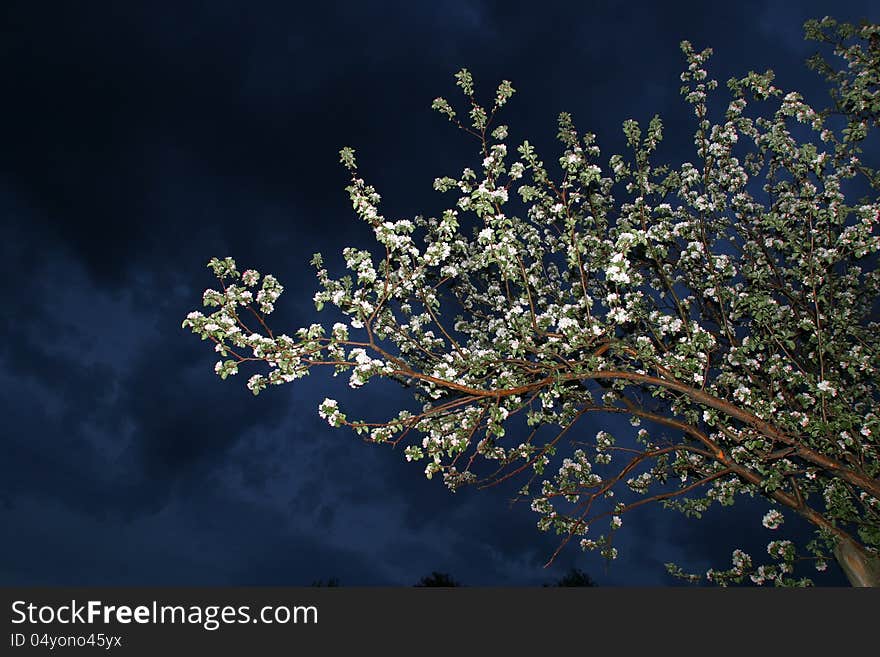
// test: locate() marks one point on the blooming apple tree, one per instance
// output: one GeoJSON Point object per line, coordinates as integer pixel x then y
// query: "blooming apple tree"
{"type": "Point", "coordinates": [725, 306]}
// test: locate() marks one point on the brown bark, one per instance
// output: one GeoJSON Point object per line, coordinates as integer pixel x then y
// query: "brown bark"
{"type": "Point", "coordinates": [860, 567]}
{"type": "Point", "coordinates": [839, 469]}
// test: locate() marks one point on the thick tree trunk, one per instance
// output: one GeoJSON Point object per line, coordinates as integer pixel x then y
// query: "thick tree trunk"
{"type": "Point", "coordinates": [861, 568]}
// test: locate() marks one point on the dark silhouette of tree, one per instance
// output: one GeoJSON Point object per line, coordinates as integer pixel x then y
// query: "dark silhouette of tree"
{"type": "Point", "coordinates": [574, 577]}
{"type": "Point", "coordinates": [331, 581]}
{"type": "Point", "coordinates": [437, 579]}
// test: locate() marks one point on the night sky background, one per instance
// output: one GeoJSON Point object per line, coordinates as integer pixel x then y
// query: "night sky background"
{"type": "Point", "coordinates": [141, 139]}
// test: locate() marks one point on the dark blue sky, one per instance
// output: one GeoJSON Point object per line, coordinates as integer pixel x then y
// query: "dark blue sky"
{"type": "Point", "coordinates": [140, 139]}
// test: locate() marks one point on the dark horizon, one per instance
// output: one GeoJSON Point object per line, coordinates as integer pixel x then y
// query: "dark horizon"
{"type": "Point", "coordinates": [138, 143]}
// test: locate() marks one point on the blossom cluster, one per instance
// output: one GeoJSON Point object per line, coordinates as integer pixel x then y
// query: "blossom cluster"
{"type": "Point", "coordinates": [727, 301]}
